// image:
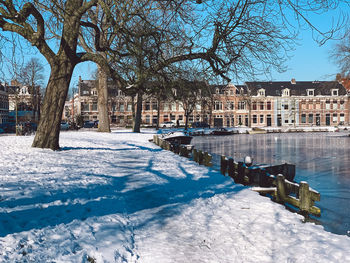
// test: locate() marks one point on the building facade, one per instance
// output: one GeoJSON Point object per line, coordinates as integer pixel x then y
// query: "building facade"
{"type": "Point", "coordinates": [4, 104]}
{"type": "Point", "coordinates": [255, 104]}
{"type": "Point", "coordinates": [24, 103]}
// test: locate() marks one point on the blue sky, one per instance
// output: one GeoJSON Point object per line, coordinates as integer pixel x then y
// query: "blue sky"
{"type": "Point", "coordinates": [308, 61]}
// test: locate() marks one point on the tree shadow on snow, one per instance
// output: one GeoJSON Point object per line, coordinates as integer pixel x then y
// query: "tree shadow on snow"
{"type": "Point", "coordinates": [124, 195]}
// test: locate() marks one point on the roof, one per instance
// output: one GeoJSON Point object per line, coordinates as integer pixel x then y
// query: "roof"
{"type": "Point", "coordinates": [298, 88]}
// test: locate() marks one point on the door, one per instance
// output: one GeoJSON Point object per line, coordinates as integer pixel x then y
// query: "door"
{"type": "Point", "coordinates": [268, 120]}
{"type": "Point", "coordinates": [328, 119]}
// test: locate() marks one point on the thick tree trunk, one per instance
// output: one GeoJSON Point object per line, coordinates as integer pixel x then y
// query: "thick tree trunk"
{"type": "Point", "coordinates": [137, 122]}
{"type": "Point", "coordinates": [47, 135]}
{"type": "Point", "coordinates": [102, 102]}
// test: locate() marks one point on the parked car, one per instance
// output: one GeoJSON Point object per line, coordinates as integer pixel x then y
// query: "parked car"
{"type": "Point", "coordinates": [2, 130]}
{"type": "Point", "coordinates": [64, 126]}
{"type": "Point", "coordinates": [200, 124]}
{"type": "Point", "coordinates": [89, 124]}
{"type": "Point", "coordinates": [167, 124]}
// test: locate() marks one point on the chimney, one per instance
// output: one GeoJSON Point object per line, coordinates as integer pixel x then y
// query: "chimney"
{"type": "Point", "coordinates": [293, 81]}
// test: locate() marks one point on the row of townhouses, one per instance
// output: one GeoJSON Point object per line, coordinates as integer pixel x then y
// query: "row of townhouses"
{"type": "Point", "coordinates": [254, 104]}
{"type": "Point", "coordinates": [19, 101]}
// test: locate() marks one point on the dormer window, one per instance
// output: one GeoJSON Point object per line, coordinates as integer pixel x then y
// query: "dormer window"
{"type": "Point", "coordinates": [261, 92]}
{"type": "Point", "coordinates": [334, 92]}
{"type": "Point", "coordinates": [285, 92]}
{"type": "Point", "coordinates": [217, 91]}
{"type": "Point", "coordinates": [310, 92]}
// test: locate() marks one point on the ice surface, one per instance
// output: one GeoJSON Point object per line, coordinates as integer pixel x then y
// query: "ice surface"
{"type": "Point", "coordinates": [321, 159]}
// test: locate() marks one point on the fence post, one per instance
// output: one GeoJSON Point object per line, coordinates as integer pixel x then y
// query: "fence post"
{"type": "Point", "coordinates": [200, 157]}
{"type": "Point", "coordinates": [195, 155]}
{"type": "Point", "coordinates": [183, 151]}
{"type": "Point", "coordinates": [207, 159]}
{"type": "Point", "coordinates": [223, 164]}
{"type": "Point", "coordinates": [240, 173]}
{"type": "Point", "coordinates": [281, 191]}
{"type": "Point", "coordinates": [231, 168]}
{"type": "Point", "coordinates": [304, 197]}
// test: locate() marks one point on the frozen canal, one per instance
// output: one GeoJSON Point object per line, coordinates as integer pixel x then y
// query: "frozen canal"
{"type": "Point", "coordinates": [321, 159]}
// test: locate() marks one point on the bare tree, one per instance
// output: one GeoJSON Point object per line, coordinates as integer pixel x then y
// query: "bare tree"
{"type": "Point", "coordinates": [341, 55]}
{"type": "Point", "coordinates": [237, 38]}
{"type": "Point", "coordinates": [32, 76]}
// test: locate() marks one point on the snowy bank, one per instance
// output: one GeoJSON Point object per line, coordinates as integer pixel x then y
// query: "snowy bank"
{"type": "Point", "coordinates": [119, 198]}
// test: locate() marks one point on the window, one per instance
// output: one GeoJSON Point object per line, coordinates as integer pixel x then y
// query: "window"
{"type": "Point", "coordinates": [261, 118]}
{"type": "Point", "coordinates": [154, 105]}
{"type": "Point", "coordinates": [240, 120]}
{"type": "Point", "coordinates": [335, 117]}
{"type": "Point", "coordinates": [232, 92]}
{"type": "Point", "coordinates": [285, 92]}
{"type": "Point", "coordinates": [285, 106]}
{"type": "Point", "coordinates": [218, 105]}
{"type": "Point", "coordinates": [166, 106]}
{"type": "Point", "coordinates": [310, 92]}
{"type": "Point", "coordinates": [335, 104]}
{"type": "Point", "coordinates": [241, 105]}
{"type": "Point", "coordinates": [261, 92]}
{"type": "Point", "coordinates": [261, 105]}
{"type": "Point", "coordinates": [129, 107]}
{"type": "Point", "coordinates": [311, 118]}
{"type": "Point", "coordinates": [148, 119]}
{"type": "Point", "coordinates": [311, 106]}
{"type": "Point", "coordinates": [342, 105]}
{"type": "Point", "coordinates": [121, 107]}
{"type": "Point", "coordinates": [268, 105]}
{"type": "Point", "coordinates": [342, 118]}
{"type": "Point", "coordinates": [318, 106]}
{"type": "Point", "coordinates": [147, 105]}
{"type": "Point", "coordinates": [334, 92]}
{"type": "Point", "coordinates": [114, 106]}
{"type": "Point", "coordinates": [303, 106]}
{"type": "Point", "coordinates": [328, 104]}
{"type": "Point", "coordinates": [303, 118]}
{"type": "Point", "coordinates": [255, 119]}
{"type": "Point", "coordinates": [94, 106]}
{"type": "Point", "coordinates": [173, 106]}
{"type": "Point", "coordinates": [165, 117]}
{"type": "Point", "coordinates": [254, 105]}
{"type": "Point", "coordinates": [230, 105]}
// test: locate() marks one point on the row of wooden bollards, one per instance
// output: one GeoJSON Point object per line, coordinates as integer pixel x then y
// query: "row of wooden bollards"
{"type": "Point", "coordinates": [199, 156]}
{"type": "Point", "coordinates": [283, 191]}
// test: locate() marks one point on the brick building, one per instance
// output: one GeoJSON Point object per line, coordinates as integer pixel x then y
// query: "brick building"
{"type": "Point", "coordinates": [4, 104]}
{"type": "Point", "coordinates": [305, 103]}
{"type": "Point", "coordinates": [255, 104]}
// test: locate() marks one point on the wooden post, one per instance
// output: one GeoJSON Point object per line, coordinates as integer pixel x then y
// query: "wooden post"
{"type": "Point", "coordinates": [281, 191]}
{"type": "Point", "coordinates": [223, 164]}
{"type": "Point", "coordinates": [304, 197]}
{"type": "Point", "coordinates": [231, 168]}
{"type": "Point", "coordinates": [200, 157]}
{"type": "Point", "coordinates": [207, 159]}
{"type": "Point", "coordinates": [195, 155]}
{"type": "Point", "coordinates": [183, 151]}
{"type": "Point", "coordinates": [240, 173]}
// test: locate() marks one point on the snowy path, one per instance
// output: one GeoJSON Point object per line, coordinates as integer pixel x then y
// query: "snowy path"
{"type": "Point", "coordinates": [118, 198]}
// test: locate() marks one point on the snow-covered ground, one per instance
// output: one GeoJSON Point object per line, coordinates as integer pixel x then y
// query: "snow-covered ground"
{"type": "Point", "coordinates": [119, 198]}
